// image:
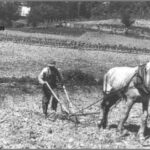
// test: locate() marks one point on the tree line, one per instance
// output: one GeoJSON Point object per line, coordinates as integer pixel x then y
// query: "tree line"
{"type": "Point", "coordinates": [50, 11]}
{"type": "Point", "coordinates": [42, 12]}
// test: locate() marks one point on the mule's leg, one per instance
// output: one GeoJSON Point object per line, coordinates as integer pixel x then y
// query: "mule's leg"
{"type": "Point", "coordinates": [103, 122]}
{"type": "Point", "coordinates": [143, 119]}
{"type": "Point", "coordinates": [129, 105]}
{"type": "Point", "coordinates": [108, 101]}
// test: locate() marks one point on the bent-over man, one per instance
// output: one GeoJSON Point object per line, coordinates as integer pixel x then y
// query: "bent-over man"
{"type": "Point", "coordinates": [52, 76]}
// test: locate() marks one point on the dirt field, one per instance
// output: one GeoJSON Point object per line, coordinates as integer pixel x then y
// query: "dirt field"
{"type": "Point", "coordinates": [22, 122]}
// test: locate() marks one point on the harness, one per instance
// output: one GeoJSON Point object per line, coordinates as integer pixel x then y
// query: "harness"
{"type": "Point", "coordinates": [140, 82]}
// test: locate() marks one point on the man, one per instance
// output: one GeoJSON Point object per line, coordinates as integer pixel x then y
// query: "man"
{"type": "Point", "coordinates": [51, 75]}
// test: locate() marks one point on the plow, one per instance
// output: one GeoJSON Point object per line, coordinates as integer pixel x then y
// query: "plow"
{"type": "Point", "coordinates": [71, 113]}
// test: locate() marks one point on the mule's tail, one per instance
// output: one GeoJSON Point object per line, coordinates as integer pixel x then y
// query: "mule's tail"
{"type": "Point", "coordinates": [106, 86]}
{"type": "Point", "coordinates": [109, 97]}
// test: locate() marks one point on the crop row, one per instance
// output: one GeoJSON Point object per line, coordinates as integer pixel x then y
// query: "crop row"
{"type": "Point", "coordinates": [74, 44]}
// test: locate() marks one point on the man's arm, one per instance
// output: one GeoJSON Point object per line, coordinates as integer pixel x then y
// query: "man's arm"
{"type": "Point", "coordinates": [41, 76]}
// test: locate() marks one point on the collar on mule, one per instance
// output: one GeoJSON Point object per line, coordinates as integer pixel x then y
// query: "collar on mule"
{"type": "Point", "coordinates": [141, 79]}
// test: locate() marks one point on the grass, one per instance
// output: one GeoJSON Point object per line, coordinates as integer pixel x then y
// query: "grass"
{"type": "Point", "coordinates": [26, 60]}
{"type": "Point", "coordinates": [53, 30]}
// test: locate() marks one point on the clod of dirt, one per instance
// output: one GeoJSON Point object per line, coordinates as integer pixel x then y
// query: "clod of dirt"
{"type": "Point", "coordinates": [71, 140]}
{"type": "Point", "coordinates": [39, 124]}
{"type": "Point", "coordinates": [50, 131]}
{"type": "Point", "coordinates": [1, 147]}
{"type": "Point", "coordinates": [74, 119]}
{"type": "Point", "coordinates": [32, 135]}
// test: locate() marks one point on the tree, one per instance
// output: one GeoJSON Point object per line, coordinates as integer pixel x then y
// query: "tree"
{"type": "Point", "coordinates": [84, 10]}
{"type": "Point", "coordinates": [126, 20]}
{"type": "Point", "coordinates": [45, 12]}
{"type": "Point", "coordinates": [35, 16]}
{"type": "Point", "coordinates": [72, 10]}
{"type": "Point", "coordinates": [100, 10]}
{"type": "Point", "coordinates": [9, 11]}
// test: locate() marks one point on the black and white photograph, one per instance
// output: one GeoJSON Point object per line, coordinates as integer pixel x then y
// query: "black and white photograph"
{"type": "Point", "coordinates": [74, 74]}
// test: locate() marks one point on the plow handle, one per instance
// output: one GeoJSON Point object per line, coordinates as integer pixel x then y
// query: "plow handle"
{"type": "Point", "coordinates": [69, 101]}
{"type": "Point", "coordinates": [57, 98]}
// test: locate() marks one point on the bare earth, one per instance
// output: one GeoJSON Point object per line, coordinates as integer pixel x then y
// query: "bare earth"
{"type": "Point", "coordinates": [21, 120]}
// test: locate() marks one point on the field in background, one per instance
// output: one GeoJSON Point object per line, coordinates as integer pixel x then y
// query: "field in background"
{"type": "Point", "coordinates": [21, 114]}
{"type": "Point", "coordinates": [28, 60]}
{"type": "Point", "coordinates": [92, 40]}
{"type": "Point", "coordinates": [137, 23]}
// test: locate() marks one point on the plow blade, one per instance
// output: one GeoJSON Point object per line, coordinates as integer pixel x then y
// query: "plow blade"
{"type": "Point", "coordinates": [67, 113]}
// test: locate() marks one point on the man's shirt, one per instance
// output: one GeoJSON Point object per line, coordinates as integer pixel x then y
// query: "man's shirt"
{"type": "Point", "coordinates": [51, 75]}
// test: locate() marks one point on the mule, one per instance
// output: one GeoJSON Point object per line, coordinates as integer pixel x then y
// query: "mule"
{"type": "Point", "coordinates": [131, 84]}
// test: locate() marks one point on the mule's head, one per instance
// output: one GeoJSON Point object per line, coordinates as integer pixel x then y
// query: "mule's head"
{"type": "Point", "coordinates": [148, 65]}
{"type": "Point", "coordinates": [147, 75]}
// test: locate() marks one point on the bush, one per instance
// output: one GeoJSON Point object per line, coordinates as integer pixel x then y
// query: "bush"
{"type": "Point", "coordinates": [78, 77]}
{"type": "Point", "coordinates": [126, 20]}
{"type": "Point", "coordinates": [22, 80]}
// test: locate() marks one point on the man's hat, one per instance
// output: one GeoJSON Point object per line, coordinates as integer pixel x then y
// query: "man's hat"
{"type": "Point", "coordinates": [52, 63]}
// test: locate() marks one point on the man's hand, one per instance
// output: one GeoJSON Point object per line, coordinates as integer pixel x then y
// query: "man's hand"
{"type": "Point", "coordinates": [44, 82]}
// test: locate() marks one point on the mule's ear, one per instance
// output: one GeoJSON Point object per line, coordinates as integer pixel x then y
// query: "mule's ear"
{"type": "Point", "coordinates": [142, 69]}
{"type": "Point", "coordinates": [147, 66]}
